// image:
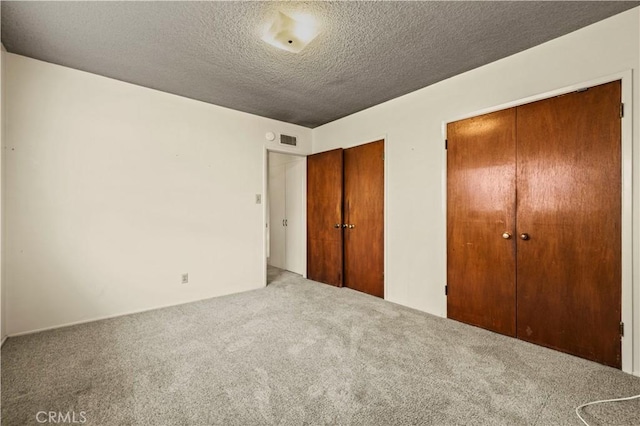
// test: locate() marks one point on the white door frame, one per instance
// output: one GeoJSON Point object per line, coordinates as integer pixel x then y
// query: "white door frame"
{"type": "Point", "coordinates": [303, 219]}
{"type": "Point", "coordinates": [630, 341]}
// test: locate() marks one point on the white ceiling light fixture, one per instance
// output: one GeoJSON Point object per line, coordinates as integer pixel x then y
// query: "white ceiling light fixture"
{"type": "Point", "coordinates": [291, 33]}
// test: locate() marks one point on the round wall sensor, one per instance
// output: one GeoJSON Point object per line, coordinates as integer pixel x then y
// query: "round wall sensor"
{"type": "Point", "coordinates": [270, 136]}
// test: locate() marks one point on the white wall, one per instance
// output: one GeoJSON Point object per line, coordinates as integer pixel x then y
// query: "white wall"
{"type": "Point", "coordinates": [415, 272]}
{"type": "Point", "coordinates": [3, 299]}
{"type": "Point", "coordinates": [114, 190]}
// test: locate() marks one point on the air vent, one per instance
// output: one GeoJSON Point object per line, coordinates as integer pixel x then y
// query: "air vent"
{"type": "Point", "coordinates": [288, 140]}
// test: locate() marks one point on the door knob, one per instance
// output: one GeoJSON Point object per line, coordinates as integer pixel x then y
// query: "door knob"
{"type": "Point", "coordinates": [351, 226]}
{"type": "Point", "coordinates": [506, 235]}
{"type": "Point", "coordinates": [344, 225]}
{"type": "Point", "coordinates": [524, 236]}
{"type": "Point", "coordinates": [337, 225]}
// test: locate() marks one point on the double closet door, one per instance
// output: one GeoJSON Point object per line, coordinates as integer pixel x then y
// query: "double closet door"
{"type": "Point", "coordinates": [286, 173]}
{"type": "Point", "coordinates": [534, 222]}
{"type": "Point", "coordinates": [345, 218]}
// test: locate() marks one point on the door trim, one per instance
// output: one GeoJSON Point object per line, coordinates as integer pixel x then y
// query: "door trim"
{"type": "Point", "coordinates": [303, 210]}
{"type": "Point", "coordinates": [630, 287]}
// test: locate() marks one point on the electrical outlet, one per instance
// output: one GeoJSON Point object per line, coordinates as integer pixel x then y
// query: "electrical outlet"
{"type": "Point", "coordinates": [258, 199]}
{"type": "Point", "coordinates": [185, 278]}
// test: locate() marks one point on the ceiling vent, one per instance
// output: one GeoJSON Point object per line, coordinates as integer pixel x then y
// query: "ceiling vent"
{"type": "Point", "coordinates": [288, 140]}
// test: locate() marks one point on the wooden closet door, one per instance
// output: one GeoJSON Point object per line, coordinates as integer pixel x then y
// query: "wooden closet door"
{"type": "Point", "coordinates": [481, 191]}
{"type": "Point", "coordinates": [324, 217]}
{"type": "Point", "coordinates": [364, 217]}
{"type": "Point", "coordinates": [569, 205]}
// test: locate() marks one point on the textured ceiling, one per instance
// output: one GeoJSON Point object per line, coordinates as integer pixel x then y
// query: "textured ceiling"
{"type": "Point", "coordinates": [366, 53]}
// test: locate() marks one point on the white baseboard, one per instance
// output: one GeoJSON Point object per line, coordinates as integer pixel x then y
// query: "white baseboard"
{"type": "Point", "coordinates": [122, 314]}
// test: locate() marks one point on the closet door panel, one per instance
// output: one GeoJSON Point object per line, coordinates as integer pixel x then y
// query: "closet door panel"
{"type": "Point", "coordinates": [277, 255]}
{"type": "Point", "coordinates": [481, 192]}
{"type": "Point", "coordinates": [324, 217]}
{"type": "Point", "coordinates": [364, 216]}
{"type": "Point", "coordinates": [294, 228]}
{"type": "Point", "coordinates": [569, 205]}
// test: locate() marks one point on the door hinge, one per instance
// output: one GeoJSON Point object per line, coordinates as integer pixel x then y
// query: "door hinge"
{"type": "Point", "coordinates": [446, 144]}
{"type": "Point", "coordinates": [621, 329]}
{"type": "Point", "coordinates": [621, 110]}
{"type": "Point", "coordinates": [446, 290]}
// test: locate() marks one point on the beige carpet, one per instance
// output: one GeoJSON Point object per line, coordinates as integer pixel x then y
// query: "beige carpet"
{"type": "Point", "coordinates": [299, 352]}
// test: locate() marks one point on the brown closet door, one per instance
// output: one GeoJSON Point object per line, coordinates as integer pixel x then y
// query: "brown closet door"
{"type": "Point", "coordinates": [569, 205]}
{"type": "Point", "coordinates": [364, 217]}
{"type": "Point", "coordinates": [324, 217]}
{"type": "Point", "coordinates": [481, 220]}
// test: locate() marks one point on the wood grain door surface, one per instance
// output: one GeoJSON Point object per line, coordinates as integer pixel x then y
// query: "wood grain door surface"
{"type": "Point", "coordinates": [324, 217]}
{"type": "Point", "coordinates": [569, 204]}
{"type": "Point", "coordinates": [364, 217]}
{"type": "Point", "coordinates": [558, 161]}
{"type": "Point", "coordinates": [481, 191]}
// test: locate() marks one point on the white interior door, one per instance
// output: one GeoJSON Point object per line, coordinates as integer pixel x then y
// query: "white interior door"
{"type": "Point", "coordinates": [277, 232]}
{"type": "Point", "coordinates": [294, 180]}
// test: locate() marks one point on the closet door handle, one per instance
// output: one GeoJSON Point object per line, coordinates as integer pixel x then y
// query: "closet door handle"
{"type": "Point", "coordinates": [351, 226]}
{"type": "Point", "coordinates": [337, 226]}
{"type": "Point", "coordinates": [282, 222]}
{"type": "Point", "coordinates": [524, 236]}
{"type": "Point", "coordinates": [506, 236]}
{"type": "Point", "coordinates": [286, 222]}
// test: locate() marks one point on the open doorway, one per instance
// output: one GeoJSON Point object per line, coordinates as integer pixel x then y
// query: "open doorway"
{"type": "Point", "coordinates": [286, 215]}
